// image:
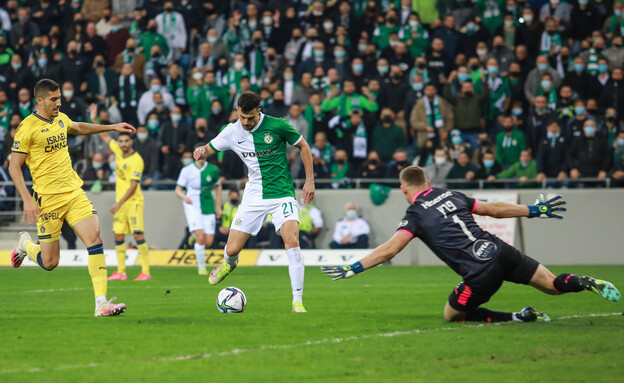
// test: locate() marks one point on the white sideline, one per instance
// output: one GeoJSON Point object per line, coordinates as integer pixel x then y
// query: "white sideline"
{"type": "Point", "coordinates": [237, 351]}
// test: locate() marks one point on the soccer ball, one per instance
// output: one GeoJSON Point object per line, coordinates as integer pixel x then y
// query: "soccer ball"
{"type": "Point", "coordinates": [231, 300]}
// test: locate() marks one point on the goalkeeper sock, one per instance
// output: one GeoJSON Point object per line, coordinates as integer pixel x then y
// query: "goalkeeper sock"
{"type": "Point", "coordinates": [231, 260]}
{"type": "Point", "coordinates": [200, 255]}
{"type": "Point", "coordinates": [568, 283]}
{"type": "Point", "coordinates": [97, 271]}
{"type": "Point", "coordinates": [296, 269]}
{"type": "Point", "coordinates": [144, 255]}
{"type": "Point", "coordinates": [34, 253]}
{"type": "Point", "coordinates": [484, 315]}
{"type": "Point", "coordinates": [120, 248]}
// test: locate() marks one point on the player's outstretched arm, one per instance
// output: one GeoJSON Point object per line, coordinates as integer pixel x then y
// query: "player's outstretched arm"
{"type": "Point", "coordinates": [308, 166]}
{"type": "Point", "coordinates": [381, 254]}
{"type": "Point", "coordinates": [542, 209]}
{"type": "Point", "coordinates": [203, 152]}
{"type": "Point", "coordinates": [31, 211]}
{"type": "Point", "coordinates": [85, 128]}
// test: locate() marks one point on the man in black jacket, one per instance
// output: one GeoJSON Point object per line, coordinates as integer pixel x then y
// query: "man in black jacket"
{"type": "Point", "coordinates": [613, 93]}
{"type": "Point", "coordinates": [589, 154]}
{"type": "Point", "coordinates": [552, 156]}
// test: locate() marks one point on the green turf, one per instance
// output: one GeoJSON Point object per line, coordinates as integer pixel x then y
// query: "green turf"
{"type": "Point", "coordinates": [52, 336]}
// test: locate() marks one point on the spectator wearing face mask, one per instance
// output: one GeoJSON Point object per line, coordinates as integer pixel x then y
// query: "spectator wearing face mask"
{"type": "Point", "coordinates": [529, 32]}
{"type": "Point", "coordinates": [485, 145]}
{"type": "Point", "coordinates": [387, 137]}
{"type": "Point", "coordinates": [534, 78]}
{"type": "Point", "coordinates": [488, 170]}
{"type": "Point", "coordinates": [400, 162]}
{"type": "Point", "coordinates": [582, 83]}
{"type": "Point", "coordinates": [552, 156]}
{"type": "Point", "coordinates": [373, 167]}
{"type": "Point", "coordinates": [589, 155]}
{"type": "Point", "coordinates": [341, 170]}
{"type": "Point", "coordinates": [509, 143]}
{"type": "Point", "coordinates": [525, 170]}
{"type": "Point", "coordinates": [575, 125]}
{"type": "Point", "coordinates": [174, 137]}
{"type": "Point", "coordinates": [151, 38]}
{"type": "Point", "coordinates": [352, 231]}
{"type": "Point", "coordinates": [462, 170]}
{"type": "Point", "coordinates": [95, 170]}
{"type": "Point", "coordinates": [230, 207]}
{"type": "Point", "coordinates": [201, 133]}
{"type": "Point", "coordinates": [613, 93]}
{"type": "Point", "coordinates": [148, 148]}
{"type": "Point", "coordinates": [439, 169]}
{"type": "Point", "coordinates": [146, 102]}
{"type": "Point", "coordinates": [455, 145]}
{"type": "Point", "coordinates": [610, 126]}
{"type": "Point", "coordinates": [539, 117]}
{"type": "Point", "coordinates": [617, 173]}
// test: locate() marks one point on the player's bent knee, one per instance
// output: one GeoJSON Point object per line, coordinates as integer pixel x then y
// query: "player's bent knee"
{"type": "Point", "coordinates": [51, 263]}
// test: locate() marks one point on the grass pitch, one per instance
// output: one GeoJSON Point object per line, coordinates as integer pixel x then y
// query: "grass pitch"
{"type": "Point", "coordinates": [383, 326]}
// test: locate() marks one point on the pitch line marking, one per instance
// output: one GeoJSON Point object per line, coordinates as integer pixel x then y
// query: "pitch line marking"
{"type": "Point", "coordinates": [238, 351]}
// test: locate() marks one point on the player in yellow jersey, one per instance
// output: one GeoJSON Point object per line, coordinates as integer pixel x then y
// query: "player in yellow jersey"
{"type": "Point", "coordinates": [128, 208]}
{"type": "Point", "coordinates": [41, 142]}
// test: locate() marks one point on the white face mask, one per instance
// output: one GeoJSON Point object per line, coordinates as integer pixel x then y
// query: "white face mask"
{"type": "Point", "coordinates": [239, 65]}
{"type": "Point", "coordinates": [351, 214]}
{"type": "Point", "coordinates": [68, 93]}
{"type": "Point", "coordinates": [481, 52]}
{"type": "Point", "coordinates": [528, 18]}
{"type": "Point", "coordinates": [197, 76]}
{"type": "Point", "coordinates": [440, 160]}
{"type": "Point", "coordinates": [413, 23]}
{"type": "Point", "coordinates": [267, 20]}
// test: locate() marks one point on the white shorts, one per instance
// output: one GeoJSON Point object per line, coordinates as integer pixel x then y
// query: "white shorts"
{"type": "Point", "coordinates": [198, 221]}
{"type": "Point", "coordinates": [250, 216]}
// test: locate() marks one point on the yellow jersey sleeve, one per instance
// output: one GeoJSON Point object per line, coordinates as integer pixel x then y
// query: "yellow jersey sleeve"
{"type": "Point", "coordinates": [21, 142]}
{"type": "Point", "coordinates": [114, 147]}
{"type": "Point", "coordinates": [137, 168]}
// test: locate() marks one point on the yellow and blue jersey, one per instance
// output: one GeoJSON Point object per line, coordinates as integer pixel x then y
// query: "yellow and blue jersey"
{"type": "Point", "coordinates": [45, 144]}
{"type": "Point", "coordinates": [128, 169]}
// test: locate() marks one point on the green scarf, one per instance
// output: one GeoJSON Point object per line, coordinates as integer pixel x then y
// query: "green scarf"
{"type": "Point", "coordinates": [4, 121]}
{"type": "Point", "coordinates": [360, 142]}
{"type": "Point", "coordinates": [127, 58]}
{"type": "Point", "coordinates": [551, 96]}
{"type": "Point", "coordinates": [615, 23]}
{"type": "Point", "coordinates": [176, 88]}
{"type": "Point", "coordinates": [548, 41]}
{"type": "Point", "coordinates": [497, 94]}
{"type": "Point", "coordinates": [133, 91]}
{"type": "Point", "coordinates": [592, 62]}
{"type": "Point", "coordinates": [433, 114]}
{"type": "Point", "coordinates": [169, 27]}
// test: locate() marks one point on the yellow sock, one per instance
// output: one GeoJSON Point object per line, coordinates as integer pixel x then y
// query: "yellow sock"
{"type": "Point", "coordinates": [144, 255]}
{"type": "Point", "coordinates": [32, 250]}
{"type": "Point", "coordinates": [120, 247]}
{"type": "Point", "coordinates": [97, 269]}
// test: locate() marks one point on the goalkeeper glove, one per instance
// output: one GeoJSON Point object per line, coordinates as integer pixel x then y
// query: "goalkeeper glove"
{"type": "Point", "coordinates": [342, 272]}
{"type": "Point", "coordinates": [546, 209]}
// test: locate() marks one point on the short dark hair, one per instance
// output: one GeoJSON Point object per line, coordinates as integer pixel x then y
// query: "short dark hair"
{"type": "Point", "coordinates": [413, 176]}
{"type": "Point", "coordinates": [45, 86]}
{"type": "Point", "coordinates": [248, 101]}
{"type": "Point", "coordinates": [125, 134]}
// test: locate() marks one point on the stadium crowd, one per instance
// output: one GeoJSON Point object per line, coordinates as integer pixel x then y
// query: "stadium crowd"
{"type": "Point", "coordinates": [470, 89]}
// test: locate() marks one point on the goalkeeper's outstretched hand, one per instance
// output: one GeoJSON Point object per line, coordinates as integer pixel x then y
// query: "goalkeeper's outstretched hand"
{"type": "Point", "coordinates": [547, 209]}
{"type": "Point", "coordinates": [338, 272]}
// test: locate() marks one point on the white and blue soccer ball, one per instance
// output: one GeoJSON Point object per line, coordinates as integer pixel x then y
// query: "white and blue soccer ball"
{"type": "Point", "coordinates": [231, 300]}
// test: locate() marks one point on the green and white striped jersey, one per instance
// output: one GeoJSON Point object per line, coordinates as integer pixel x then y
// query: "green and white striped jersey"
{"type": "Point", "coordinates": [263, 150]}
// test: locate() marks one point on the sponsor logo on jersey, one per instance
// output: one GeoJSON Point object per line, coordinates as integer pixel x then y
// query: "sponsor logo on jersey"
{"type": "Point", "coordinates": [403, 223]}
{"type": "Point", "coordinates": [16, 145]}
{"type": "Point", "coordinates": [260, 153]}
{"type": "Point", "coordinates": [483, 249]}
{"type": "Point", "coordinates": [55, 143]}
{"type": "Point", "coordinates": [436, 200]}
{"type": "Point", "coordinates": [49, 217]}
{"type": "Point", "coordinates": [268, 138]}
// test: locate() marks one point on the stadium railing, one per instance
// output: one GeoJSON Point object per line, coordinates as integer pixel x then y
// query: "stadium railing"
{"type": "Point", "coordinates": [11, 206]}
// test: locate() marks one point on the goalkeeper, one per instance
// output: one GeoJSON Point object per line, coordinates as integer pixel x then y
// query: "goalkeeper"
{"type": "Point", "coordinates": [443, 220]}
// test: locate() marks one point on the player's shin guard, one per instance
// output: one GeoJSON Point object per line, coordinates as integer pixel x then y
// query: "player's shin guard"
{"type": "Point", "coordinates": [200, 255]}
{"type": "Point", "coordinates": [34, 253]}
{"type": "Point", "coordinates": [296, 269]}
{"type": "Point", "coordinates": [97, 269]}
{"type": "Point", "coordinates": [120, 248]}
{"type": "Point", "coordinates": [481, 314]}
{"type": "Point", "coordinates": [568, 283]}
{"type": "Point", "coordinates": [231, 260]}
{"type": "Point", "coordinates": [144, 255]}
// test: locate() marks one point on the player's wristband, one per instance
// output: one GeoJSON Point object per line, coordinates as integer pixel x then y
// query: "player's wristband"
{"type": "Point", "coordinates": [357, 267]}
{"type": "Point", "coordinates": [533, 211]}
